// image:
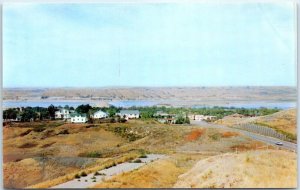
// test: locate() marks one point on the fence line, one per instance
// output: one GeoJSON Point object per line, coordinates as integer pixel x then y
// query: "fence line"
{"type": "Point", "coordinates": [261, 130]}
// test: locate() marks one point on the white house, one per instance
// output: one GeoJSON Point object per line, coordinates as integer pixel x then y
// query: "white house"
{"type": "Point", "coordinates": [78, 118]}
{"type": "Point", "coordinates": [129, 114]}
{"type": "Point", "coordinates": [202, 117]}
{"type": "Point", "coordinates": [99, 115]}
{"type": "Point", "coordinates": [62, 114]}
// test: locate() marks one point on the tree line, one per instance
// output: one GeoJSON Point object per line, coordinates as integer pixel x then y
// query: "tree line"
{"type": "Point", "coordinates": [42, 113]}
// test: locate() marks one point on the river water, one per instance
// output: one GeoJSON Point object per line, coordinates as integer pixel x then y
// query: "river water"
{"type": "Point", "coordinates": [146, 103]}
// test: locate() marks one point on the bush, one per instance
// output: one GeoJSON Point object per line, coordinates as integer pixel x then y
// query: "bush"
{"type": "Point", "coordinates": [96, 173]}
{"type": "Point", "coordinates": [112, 120]}
{"type": "Point", "coordinates": [137, 161]}
{"type": "Point", "coordinates": [83, 174]}
{"type": "Point", "coordinates": [215, 136]}
{"type": "Point", "coordinates": [93, 154]}
{"type": "Point", "coordinates": [39, 129]}
{"type": "Point", "coordinates": [122, 120]}
{"type": "Point", "coordinates": [77, 176]}
{"type": "Point", "coordinates": [143, 156]}
{"type": "Point", "coordinates": [63, 132]}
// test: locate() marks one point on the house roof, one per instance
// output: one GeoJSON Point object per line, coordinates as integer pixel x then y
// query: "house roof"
{"type": "Point", "coordinates": [100, 111]}
{"type": "Point", "coordinates": [129, 112]}
{"type": "Point", "coordinates": [77, 115]}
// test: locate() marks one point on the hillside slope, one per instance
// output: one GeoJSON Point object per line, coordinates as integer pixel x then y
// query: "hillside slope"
{"type": "Point", "coordinates": [283, 121]}
{"type": "Point", "coordinates": [277, 168]}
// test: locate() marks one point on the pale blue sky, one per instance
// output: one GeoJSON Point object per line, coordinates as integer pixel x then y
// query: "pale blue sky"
{"type": "Point", "coordinates": [78, 45]}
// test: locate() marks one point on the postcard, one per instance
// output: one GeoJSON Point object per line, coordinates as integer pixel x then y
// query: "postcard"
{"type": "Point", "coordinates": [149, 95]}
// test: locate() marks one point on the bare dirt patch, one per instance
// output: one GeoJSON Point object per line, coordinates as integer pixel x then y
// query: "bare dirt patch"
{"type": "Point", "coordinates": [229, 134]}
{"type": "Point", "coordinates": [195, 134]}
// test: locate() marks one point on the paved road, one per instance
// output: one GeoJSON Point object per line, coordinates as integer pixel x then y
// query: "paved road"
{"type": "Point", "coordinates": [262, 138]}
{"type": "Point", "coordinates": [91, 180]}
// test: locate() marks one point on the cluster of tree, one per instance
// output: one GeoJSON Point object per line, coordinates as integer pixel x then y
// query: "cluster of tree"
{"type": "Point", "coordinates": [219, 112]}
{"type": "Point", "coordinates": [182, 120]}
{"type": "Point", "coordinates": [41, 113]}
{"type": "Point", "coordinates": [29, 113]}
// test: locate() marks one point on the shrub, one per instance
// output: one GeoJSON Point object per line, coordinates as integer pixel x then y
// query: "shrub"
{"type": "Point", "coordinates": [96, 173]}
{"type": "Point", "coordinates": [28, 145]}
{"type": "Point", "coordinates": [137, 161]}
{"type": "Point", "coordinates": [94, 154]}
{"type": "Point", "coordinates": [94, 180]}
{"type": "Point", "coordinates": [122, 120]}
{"type": "Point", "coordinates": [143, 156]}
{"type": "Point", "coordinates": [63, 132]}
{"type": "Point", "coordinates": [83, 174]}
{"type": "Point", "coordinates": [77, 176]}
{"type": "Point", "coordinates": [39, 129]}
{"type": "Point", "coordinates": [215, 136]}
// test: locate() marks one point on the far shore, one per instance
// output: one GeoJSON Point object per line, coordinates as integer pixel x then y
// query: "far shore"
{"type": "Point", "coordinates": [146, 103]}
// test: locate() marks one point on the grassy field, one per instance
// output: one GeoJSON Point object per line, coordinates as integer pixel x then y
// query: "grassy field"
{"type": "Point", "coordinates": [53, 152]}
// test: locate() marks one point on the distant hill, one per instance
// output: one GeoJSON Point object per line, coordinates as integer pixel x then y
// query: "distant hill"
{"type": "Point", "coordinates": [198, 94]}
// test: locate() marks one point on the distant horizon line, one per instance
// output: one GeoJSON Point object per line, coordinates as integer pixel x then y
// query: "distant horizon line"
{"type": "Point", "coordinates": [206, 86]}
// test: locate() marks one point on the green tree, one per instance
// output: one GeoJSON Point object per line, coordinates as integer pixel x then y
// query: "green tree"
{"type": "Point", "coordinates": [29, 114]}
{"type": "Point", "coordinates": [83, 108]}
{"type": "Point", "coordinates": [51, 111]}
{"type": "Point", "coordinates": [10, 113]}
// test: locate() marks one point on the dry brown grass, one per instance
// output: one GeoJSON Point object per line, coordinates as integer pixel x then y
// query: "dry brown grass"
{"type": "Point", "coordinates": [12, 171]}
{"type": "Point", "coordinates": [158, 174]}
{"type": "Point", "coordinates": [99, 166]}
{"type": "Point", "coordinates": [228, 134]}
{"type": "Point", "coordinates": [80, 140]}
{"type": "Point", "coordinates": [284, 120]}
{"type": "Point", "coordinates": [253, 145]}
{"type": "Point", "coordinates": [111, 144]}
{"type": "Point", "coordinates": [252, 169]}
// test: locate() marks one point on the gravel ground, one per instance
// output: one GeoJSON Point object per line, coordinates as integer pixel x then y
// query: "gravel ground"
{"type": "Point", "coordinates": [87, 181]}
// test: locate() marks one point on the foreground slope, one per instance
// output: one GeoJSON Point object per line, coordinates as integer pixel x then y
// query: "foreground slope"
{"type": "Point", "coordinates": [253, 169]}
